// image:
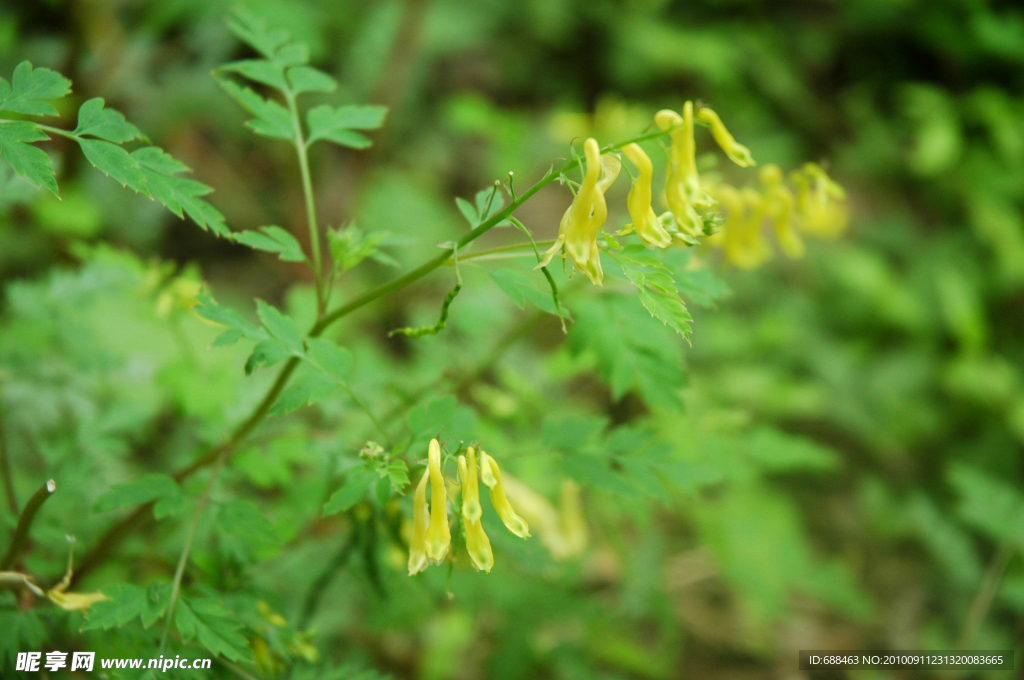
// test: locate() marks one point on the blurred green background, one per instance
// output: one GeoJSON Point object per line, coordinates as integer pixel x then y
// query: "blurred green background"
{"type": "Point", "coordinates": [835, 463]}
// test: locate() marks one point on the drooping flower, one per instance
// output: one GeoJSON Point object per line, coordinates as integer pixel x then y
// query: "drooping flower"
{"type": "Point", "coordinates": [742, 240]}
{"type": "Point", "coordinates": [563, 531]}
{"type": "Point", "coordinates": [646, 224]}
{"type": "Point", "coordinates": [820, 202]}
{"type": "Point", "coordinates": [682, 183]}
{"type": "Point", "coordinates": [737, 153]}
{"type": "Point", "coordinates": [420, 521]}
{"type": "Point", "coordinates": [439, 536]}
{"type": "Point", "coordinates": [491, 476]}
{"type": "Point", "coordinates": [582, 221]}
{"type": "Point", "coordinates": [778, 205]}
{"type": "Point", "coordinates": [477, 544]}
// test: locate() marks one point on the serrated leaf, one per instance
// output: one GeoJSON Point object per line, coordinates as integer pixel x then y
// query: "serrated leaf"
{"type": "Point", "coordinates": [331, 357]}
{"type": "Point", "coordinates": [337, 124]}
{"type": "Point", "coordinates": [112, 160]}
{"type": "Point", "coordinates": [266, 353]}
{"type": "Point", "coordinates": [280, 326]}
{"type": "Point", "coordinates": [156, 159]}
{"type": "Point", "coordinates": [144, 489]}
{"type": "Point", "coordinates": [273, 240]}
{"type": "Point", "coordinates": [989, 504]}
{"type": "Point", "coordinates": [260, 71]}
{"type": "Point", "coordinates": [668, 309]}
{"type": "Point", "coordinates": [255, 32]}
{"type": "Point", "coordinates": [96, 121]}
{"type": "Point", "coordinates": [125, 603]}
{"type": "Point", "coordinates": [398, 473]}
{"type": "Point", "coordinates": [209, 309]}
{"type": "Point", "coordinates": [31, 88]}
{"type": "Point", "coordinates": [354, 489]}
{"type": "Point", "coordinates": [227, 338]}
{"type": "Point", "coordinates": [271, 119]}
{"type": "Point", "coordinates": [350, 246]}
{"type": "Point", "coordinates": [214, 626]}
{"type": "Point", "coordinates": [305, 390]}
{"type": "Point", "coordinates": [309, 79]}
{"type": "Point", "coordinates": [27, 161]}
{"type": "Point", "coordinates": [521, 289]}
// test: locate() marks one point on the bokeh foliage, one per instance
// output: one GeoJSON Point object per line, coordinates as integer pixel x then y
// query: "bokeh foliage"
{"type": "Point", "coordinates": [834, 463]}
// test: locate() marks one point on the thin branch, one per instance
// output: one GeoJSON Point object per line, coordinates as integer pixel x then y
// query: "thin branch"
{"type": "Point", "coordinates": [5, 471]}
{"type": "Point", "coordinates": [25, 523]}
{"type": "Point", "coordinates": [116, 533]}
{"type": "Point", "coordinates": [986, 594]}
{"type": "Point", "coordinates": [317, 588]}
{"type": "Point", "coordinates": [307, 191]}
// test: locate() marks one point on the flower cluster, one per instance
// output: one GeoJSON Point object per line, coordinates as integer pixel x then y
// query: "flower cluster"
{"type": "Point", "coordinates": [431, 535]}
{"type": "Point", "coordinates": [813, 203]}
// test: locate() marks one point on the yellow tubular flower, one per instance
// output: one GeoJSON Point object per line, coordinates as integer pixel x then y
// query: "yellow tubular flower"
{"type": "Point", "coordinates": [682, 184]}
{"type": "Point", "coordinates": [820, 202]}
{"type": "Point", "coordinates": [779, 208]}
{"type": "Point", "coordinates": [477, 544]}
{"type": "Point", "coordinates": [754, 248]}
{"type": "Point", "coordinates": [438, 537]}
{"type": "Point", "coordinates": [646, 224]}
{"type": "Point", "coordinates": [420, 521]}
{"type": "Point", "coordinates": [564, 532]}
{"type": "Point", "coordinates": [491, 475]}
{"type": "Point", "coordinates": [574, 527]}
{"type": "Point", "coordinates": [737, 153]}
{"type": "Point", "coordinates": [584, 218]}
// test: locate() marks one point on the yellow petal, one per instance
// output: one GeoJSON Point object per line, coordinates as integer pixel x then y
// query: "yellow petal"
{"type": "Point", "coordinates": [420, 522]}
{"type": "Point", "coordinates": [645, 222]}
{"type": "Point", "coordinates": [737, 153]}
{"type": "Point", "coordinates": [477, 544]}
{"type": "Point", "coordinates": [491, 475]}
{"type": "Point", "coordinates": [779, 208]}
{"type": "Point", "coordinates": [439, 536]}
{"type": "Point", "coordinates": [75, 601]}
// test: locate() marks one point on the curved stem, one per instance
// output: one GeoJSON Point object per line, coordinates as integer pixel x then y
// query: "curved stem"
{"type": "Point", "coordinates": [307, 191]}
{"type": "Point", "coordinates": [25, 523]}
{"type": "Point", "coordinates": [116, 533]}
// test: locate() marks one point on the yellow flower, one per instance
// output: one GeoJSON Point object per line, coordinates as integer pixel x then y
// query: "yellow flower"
{"type": "Point", "coordinates": [420, 521]}
{"type": "Point", "coordinates": [438, 536]}
{"type": "Point", "coordinates": [778, 201]}
{"type": "Point", "coordinates": [646, 224]}
{"type": "Point", "coordinates": [683, 191]}
{"type": "Point", "coordinates": [742, 240]}
{"type": "Point", "coordinates": [564, 531]}
{"type": "Point", "coordinates": [820, 202]}
{"type": "Point", "coordinates": [491, 476]}
{"type": "Point", "coordinates": [737, 153]}
{"type": "Point", "coordinates": [584, 218]}
{"type": "Point", "coordinates": [477, 544]}
{"type": "Point", "coordinates": [75, 601]}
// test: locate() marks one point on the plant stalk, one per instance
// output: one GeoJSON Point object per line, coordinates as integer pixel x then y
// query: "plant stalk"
{"type": "Point", "coordinates": [25, 523]}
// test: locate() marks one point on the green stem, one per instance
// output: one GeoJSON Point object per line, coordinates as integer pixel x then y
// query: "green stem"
{"type": "Point", "coordinates": [986, 594]}
{"type": "Point", "coordinates": [307, 190]}
{"type": "Point", "coordinates": [369, 414]}
{"type": "Point", "coordinates": [115, 534]}
{"type": "Point", "coordinates": [25, 523]}
{"type": "Point", "coordinates": [475, 255]}
{"type": "Point", "coordinates": [5, 470]}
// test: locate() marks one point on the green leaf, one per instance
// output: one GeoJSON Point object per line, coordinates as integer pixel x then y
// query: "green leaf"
{"type": "Point", "coordinates": [989, 504]}
{"type": "Point", "coordinates": [338, 124]}
{"type": "Point", "coordinates": [354, 489]}
{"type": "Point", "coordinates": [431, 417]}
{"type": "Point", "coordinates": [271, 119]}
{"type": "Point", "coordinates": [266, 353]}
{"type": "Point", "coordinates": [309, 79]}
{"type": "Point", "coordinates": [31, 88]}
{"type": "Point", "coordinates": [255, 32]}
{"type": "Point", "coordinates": [330, 357]}
{"type": "Point", "coordinates": [146, 488]}
{"type": "Point", "coordinates": [96, 121]}
{"type": "Point", "coordinates": [521, 289]}
{"type": "Point", "coordinates": [775, 450]}
{"type": "Point", "coordinates": [273, 240]}
{"type": "Point", "coordinates": [127, 602]}
{"type": "Point", "coordinates": [350, 246]}
{"type": "Point", "coordinates": [178, 193]}
{"type": "Point", "coordinates": [214, 626]}
{"type": "Point", "coordinates": [469, 212]}
{"type": "Point", "coordinates": [28, 161]}
{"type": "Point", "coordinates": [209, 309]}
{"type": "Point", "coordinates": [280, 327]}
{"type": "Point", "coordinates": [115, 162]}
{"type": "Point", "coordinates": [259, 70]}
{"type": "Point", "coordinates": [655, 287]}
{"type": "Point", "coordinates": [303, 391]}
{"type": "Point", "coordinates": [398, 473]}
{"type": "Point", "coordinates": [244, 520]}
